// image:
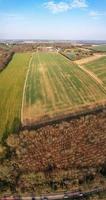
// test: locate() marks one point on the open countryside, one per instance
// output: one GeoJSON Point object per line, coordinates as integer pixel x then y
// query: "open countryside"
{"type": "Point", "coordinates": [53, 100]}
{"type": "Point", "coordinates": [52, 125]}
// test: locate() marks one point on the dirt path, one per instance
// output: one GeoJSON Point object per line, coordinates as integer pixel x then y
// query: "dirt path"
{"type": "Point", "coordinates": [23, 97]}
{"type": "Point", "coordinates": [91, 74]}
{"type": "Point", "coordinates": [89, 59]}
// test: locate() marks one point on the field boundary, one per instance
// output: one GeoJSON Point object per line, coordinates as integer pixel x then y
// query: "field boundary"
{"type": "Point", "coordinates": [22, 107]}
{"type": "Point", "coordinates": [80, 112]}
{"type": "Point", "coordinates": [90, 73]}
{"type": "Point", "coordinates": [6, 63]}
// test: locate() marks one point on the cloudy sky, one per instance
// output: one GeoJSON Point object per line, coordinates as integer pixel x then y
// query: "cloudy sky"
{"type": "Point", "coordinates": [53, 19]}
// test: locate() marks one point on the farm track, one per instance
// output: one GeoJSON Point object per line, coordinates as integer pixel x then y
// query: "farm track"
{"type": "Point", "coordinates": [90, 59]}
{"type": "Point", "coordinates": [25, 88]}
{"type": "Point", "coordinates": [91, 74]}
{"type": "Point", "coordinates": [98, 67]}
{"type": "Point", "coordinates": [83, 82]}
{"type": "Point", "coordinates": [96, 57]}
{"type": "Point", "coordinates": [54, 86]}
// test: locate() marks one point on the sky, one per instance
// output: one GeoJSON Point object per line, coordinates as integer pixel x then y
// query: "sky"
{"type": "Point", "coordinates": [53, 19]}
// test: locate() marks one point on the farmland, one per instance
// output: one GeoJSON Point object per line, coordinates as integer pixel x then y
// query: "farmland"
{"type": "Point", "coordinates": [98, 67]}
{"type": "Point", "coordinates": [46, 87]}
{"type": "Point", "coordinates": [66, 155]}
{"type": "Point", "coordinates": [11, 89]}
{"type": "Point", "coordinates": [56, 86]}
{"type": "Point", "coordinates": [53, 100]}
{"type": "Point", "coordinates": [101, 48]}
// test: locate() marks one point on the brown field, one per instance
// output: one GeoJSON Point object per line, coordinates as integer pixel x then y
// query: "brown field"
{"type": "Point", "coordinates": [74, 150]}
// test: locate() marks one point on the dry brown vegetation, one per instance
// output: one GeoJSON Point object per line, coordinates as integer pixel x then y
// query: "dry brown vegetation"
{"type": "Point", "coordinates": [78, 143]}
{"type": "Point", "coordinates": [70, 155]}
{"type": "Point", "coordinates": [24, 47]}
{"type": "Point", "coordinates": [5, 58]}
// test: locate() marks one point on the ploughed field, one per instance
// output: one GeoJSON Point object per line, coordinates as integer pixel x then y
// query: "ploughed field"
{"type": "Point", "coordinates": [98, 67]}
{"type": "Point", "coordinates": [11, 89]}
{"type": "Point", "coordinates": [56, 86]}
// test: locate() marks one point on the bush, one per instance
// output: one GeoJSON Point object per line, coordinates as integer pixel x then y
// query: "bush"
{"type": "Point", "coordinates": [6, 58]}
{"type": "Point", "coordinates": [5, 134]}
{"type": "Point", "coordinates": [16, 125]}
{"type": "Point", "coordinates": [103, 169]}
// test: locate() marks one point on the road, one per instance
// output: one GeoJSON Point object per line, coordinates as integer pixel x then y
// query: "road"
{"type": "Point", "coordinates": [60, 196]}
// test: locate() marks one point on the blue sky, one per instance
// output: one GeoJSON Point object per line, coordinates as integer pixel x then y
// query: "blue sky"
{"type": "Point", "coordinates": [53, 19]}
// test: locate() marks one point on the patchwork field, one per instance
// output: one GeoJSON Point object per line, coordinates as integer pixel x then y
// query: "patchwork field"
{"type": "Point", "coordinates": [70, 155]}
{"type": "Point", "coordinates": [98, 67]}
{"type": "Point", "coordinates": [11, 90]}
{"type": "Point", "coordinates": [56, 86]}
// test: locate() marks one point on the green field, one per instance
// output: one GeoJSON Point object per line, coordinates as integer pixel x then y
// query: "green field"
{"type": "Point", "coordinates": [101, 48]}
{"type": "Point", "coordinates": [56, 86]}
{"type": "Point", "coordinates": [98, 67]}
{"type": "Point", "coordinates": [11, 90]}
{"type": "Point", "coordinates": [52, 86]}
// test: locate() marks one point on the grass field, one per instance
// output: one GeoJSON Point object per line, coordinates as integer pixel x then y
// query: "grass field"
{"type": "Point", "coordinates": [99, 48]}
{"type": "Point", "coordinates": [56, 86]}
{"type": "Point", "coordinates": [11, 90]}
{"type": "Point", "coordinates": [98, 67]}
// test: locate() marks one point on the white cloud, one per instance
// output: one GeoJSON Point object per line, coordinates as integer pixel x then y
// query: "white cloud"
{"type": "Point", "coordinates": [63, 6]}
{"type": "Point", "coordinates": [57, 7]}
{"type": "Point", "coordinates": [79, 4]}
{"type": "Point", "coordinates": [97, 14]}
